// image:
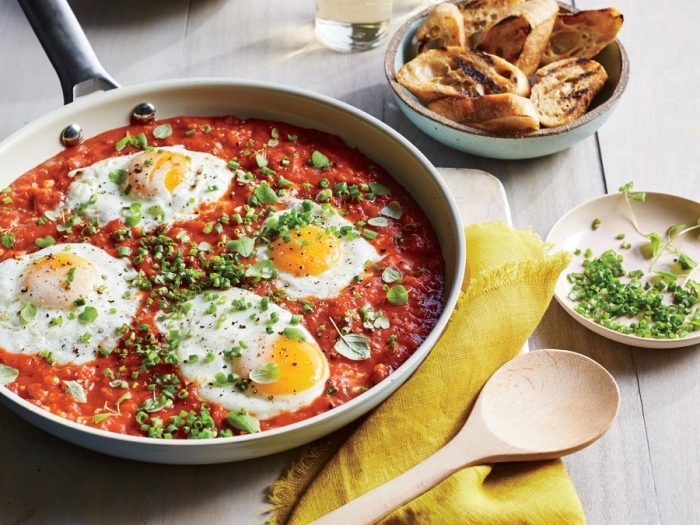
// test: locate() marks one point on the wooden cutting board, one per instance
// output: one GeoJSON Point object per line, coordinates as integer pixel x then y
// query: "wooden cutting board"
{"type": "Point", "coordinates": [44, 480]}
{"type": "Point", "coordinates": [480, 196]}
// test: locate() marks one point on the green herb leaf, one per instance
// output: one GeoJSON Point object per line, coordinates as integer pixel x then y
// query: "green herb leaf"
{"type": "Point", "coordinates": [382, 322]}
{"type": "Point", "coordinates": [265, 374]}
{"type": "Point", "coordinates": [379, 222]}
{"type": "Point", "coordinates": [7, 374]}
{"type": "Point", "coordinates": [379, 189]}
{"type": "Point", "coordinates": [118, 177]}
{"type": "Point", "coordinates": [162, 131]}
{"type": "Point", "coordinates": [132, 220]}
{"type": "Point", "coordinates": [7, 240]}
{"type": "Point", "coordinates": [122, 143]}
{"type": "Point", "coordinates": [265, 194]}
{"type": "Point", "coordinates": [686, 262]}
{"type": "Point", "coordinates": [674, 230]}
{"type": "Point", "coordinates": [391, 275]}
{"type": "Point", "coordinates": [319, 161]}
{"type": "Point", "coordinates": [155, 404]}
{"type": "Point", "coordinates": [243, 421]}
{"type": "Point", "coordinates": [392, 210]}
{"type": "Point", "coordinates": [27, 313]}
{"type": "Point", "coordinates": [397, 295]}
{"type": "Point", "coordinates": [52, 215]}
{"type": "Point", "coordinates": [324, 195]}
{"type": "Point", "coordinates": [99, 418]}
{"type": "Point", "coordinates": [76, 390]}
{"type": "Point", "coordinates": [141, 141]}
{"type": "Point", "coordinates": [295, 334]}
{"type": "Point", "coordinates": [155, 211]}
{"type": "Point", "coordinates": [353, 346]}
{"type": "Point", "coordinates": [88, 315]}
{"type": "Point", "coordinates": [245, 246]}
{"type": "Point", "coordinates": [260, 160]}
{"type": "Point", "coordinates": [262, 270]}
{"type": "Point", "coordinates": [656, 242]}
{"type": "Point", "coordinates": [45, 242]}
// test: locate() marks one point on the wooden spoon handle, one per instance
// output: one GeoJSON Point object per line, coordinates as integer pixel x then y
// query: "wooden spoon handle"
{"type": "Point", "coordinates": [381, 501]}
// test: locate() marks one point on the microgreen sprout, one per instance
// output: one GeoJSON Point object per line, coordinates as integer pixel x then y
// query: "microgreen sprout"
{"type": "Point", "coordinates": [351, 345]}
{"type": "Point", "coordinates": [657, 245]}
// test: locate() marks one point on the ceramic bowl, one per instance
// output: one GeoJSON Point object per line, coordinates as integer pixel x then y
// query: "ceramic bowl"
{"type": "Point", "coordinates": [402, 48]}
{"type": "Point", "coordinates": [39, 140]}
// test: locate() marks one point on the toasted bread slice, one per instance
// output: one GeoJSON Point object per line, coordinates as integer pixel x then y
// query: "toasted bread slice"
{"type": "Point", "coordinates": [505, 113]}
{"type": "Point", "coordinates": [522, 36]}
{"type": "Point", "coordinates": [583, 34]}
{"type": "Point", "coordinates": [479, 15]}
{"type": "Point", "coordinates": [437, 73]}
{"type": "Point", "coordinates": [563, 90]}
{"type": "Point", "coordinates": [443, 27]}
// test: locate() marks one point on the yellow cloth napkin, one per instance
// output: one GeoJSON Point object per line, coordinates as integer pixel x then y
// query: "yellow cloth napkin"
{"type": "Point", "coordinates": [510, 282]}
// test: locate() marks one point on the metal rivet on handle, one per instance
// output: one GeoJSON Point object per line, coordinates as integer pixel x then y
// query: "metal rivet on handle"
{"type": "Point", "coordinates": [72, 135]}
{"type": "Point", "coordinates": [144, 112]}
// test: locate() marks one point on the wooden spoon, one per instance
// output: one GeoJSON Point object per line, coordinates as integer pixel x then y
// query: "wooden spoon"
{"type": "Point", "coordinates": [541, 405]}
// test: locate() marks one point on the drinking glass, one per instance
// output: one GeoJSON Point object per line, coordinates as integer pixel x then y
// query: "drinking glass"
{"type": "Point", "coordinates": [352, 25]}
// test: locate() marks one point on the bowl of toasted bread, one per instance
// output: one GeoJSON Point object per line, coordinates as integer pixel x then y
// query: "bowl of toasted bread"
{"type": "Point", "coordinates": [508, 79]}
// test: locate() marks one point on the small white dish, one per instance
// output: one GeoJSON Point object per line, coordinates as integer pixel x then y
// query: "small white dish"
{"type": "Point", "coordinates": [657, 214]}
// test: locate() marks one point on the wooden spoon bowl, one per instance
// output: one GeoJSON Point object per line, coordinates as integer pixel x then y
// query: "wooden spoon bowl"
{"type": "Point", "coordinates": [540, 405]}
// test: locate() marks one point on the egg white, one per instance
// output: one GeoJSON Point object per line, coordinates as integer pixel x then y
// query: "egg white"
{"type": "Point", "coordinates": [356, 252]}
{"type": "Point", "coordinates": [59, 330]}
{"type": "Point", "coordinates": [207, 178]}
{"type": "Point", "coordinates": [217, 322]}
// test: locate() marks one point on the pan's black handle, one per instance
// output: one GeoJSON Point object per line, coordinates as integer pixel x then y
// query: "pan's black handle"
{"type": "Point", "coordinates": [67, 47]}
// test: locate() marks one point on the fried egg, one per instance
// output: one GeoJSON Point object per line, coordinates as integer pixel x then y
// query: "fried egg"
{"type": "Point", "coordinates": [156, 186]}
{"type": "Point", "coordinates": [247, 354]}
{"type": "Point", "coordinates": [318, 257]}
{"type": "Point", "coordinates": [65, 302]}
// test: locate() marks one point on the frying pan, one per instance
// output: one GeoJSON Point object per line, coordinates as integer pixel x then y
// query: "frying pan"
{"type": "Point", "coordinates": [106, 108]}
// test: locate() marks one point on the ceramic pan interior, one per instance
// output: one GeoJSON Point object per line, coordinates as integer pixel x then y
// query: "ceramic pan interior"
{"type": "Point", "coordinates": [39, 140]}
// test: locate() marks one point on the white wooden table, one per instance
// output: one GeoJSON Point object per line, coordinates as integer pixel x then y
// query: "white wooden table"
{"type": "Point", "coordinates": [645, 470]}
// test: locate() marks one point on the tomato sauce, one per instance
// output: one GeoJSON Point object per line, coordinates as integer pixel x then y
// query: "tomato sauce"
{"type": "Point", "coordinates": [118, 385]}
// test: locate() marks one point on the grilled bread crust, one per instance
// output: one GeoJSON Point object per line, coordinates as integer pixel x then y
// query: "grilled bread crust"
{"type": "Point", "coordinates": [443, 27]}
{"type": "Point", "coordinates": [479, 15]}
{"type": "Point", "coordinates": [481, 78]}
{"type": "Point", "coordinates": [522, 35]}
{"type": "Point", "coordinates": [502, 113]}
{"type": "Point", "coordinates": [583, 34]}
{"type": "Point", "coordinates": [563, 90]}
{"type": "Point", "coordinates": [458, 71]}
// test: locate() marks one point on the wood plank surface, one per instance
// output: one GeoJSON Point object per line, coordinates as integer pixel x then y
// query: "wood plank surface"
{"type": "Point", "coordinates": [646, 470]}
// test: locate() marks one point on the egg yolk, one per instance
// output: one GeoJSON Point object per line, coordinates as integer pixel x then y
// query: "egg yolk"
{"type": "Point", "coordinates": [58, 280]}
{"type": "Point", "coordinates": [155, 173]}
{"type": "Point", "coordinates": [301, 365]}
{"type": "Point", "coordinates": [311, 251]}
